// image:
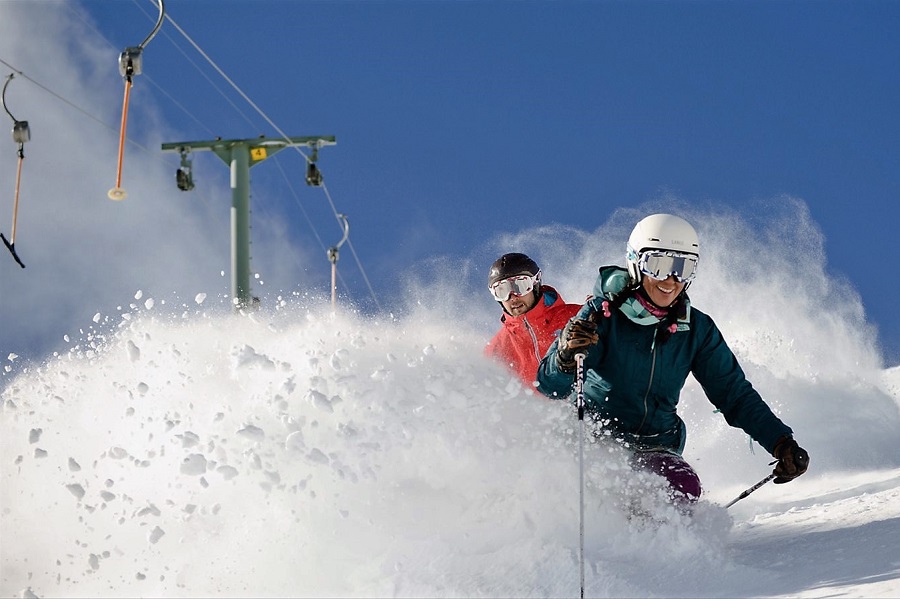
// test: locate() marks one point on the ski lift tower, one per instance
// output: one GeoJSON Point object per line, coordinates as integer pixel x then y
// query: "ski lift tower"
{"type": "Point", "coordinates": [240, 155]}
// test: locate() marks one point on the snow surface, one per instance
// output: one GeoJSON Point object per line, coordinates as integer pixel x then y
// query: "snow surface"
{"type": "Point", "coordinates": [298, 452]}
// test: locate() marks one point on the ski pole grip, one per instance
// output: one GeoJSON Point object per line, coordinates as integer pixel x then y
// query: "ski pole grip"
{"type": "Point", "coordinates": [579, 384]}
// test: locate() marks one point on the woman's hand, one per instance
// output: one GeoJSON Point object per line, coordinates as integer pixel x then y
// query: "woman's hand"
{"type": "Point", "coordinates": [792, 460]}
{"type": "Point", "coordinates": [577, 337]}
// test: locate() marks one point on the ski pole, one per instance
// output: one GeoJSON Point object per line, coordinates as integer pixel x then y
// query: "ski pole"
{"type": "Point", "coordinates": [750, 490]}
{"type": "Point", "coordinates": [579, 402]}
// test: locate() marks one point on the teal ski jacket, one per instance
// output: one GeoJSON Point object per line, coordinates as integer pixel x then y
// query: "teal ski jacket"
{"type": "Point", "coordinates": [633, 383]}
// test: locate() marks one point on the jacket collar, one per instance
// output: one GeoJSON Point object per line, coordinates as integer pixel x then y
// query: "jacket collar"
{"type": "Point", "coordinates": [613, 280]}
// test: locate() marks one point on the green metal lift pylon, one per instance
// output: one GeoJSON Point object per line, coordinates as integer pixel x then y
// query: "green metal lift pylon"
{"type": "Point", "coordinates": [240, 155]}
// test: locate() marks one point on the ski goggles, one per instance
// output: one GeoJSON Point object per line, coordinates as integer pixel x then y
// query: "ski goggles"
{"type": "Point", "coordinates": [518, 285]}
{"type": "Point", "coordinates": [660, 265]}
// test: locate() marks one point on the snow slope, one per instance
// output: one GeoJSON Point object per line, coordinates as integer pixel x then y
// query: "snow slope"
{"type": "Point", "coordinates": [296, 452]}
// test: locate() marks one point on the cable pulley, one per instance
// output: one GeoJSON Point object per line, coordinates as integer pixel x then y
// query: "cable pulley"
{"type": "Point", "coordinates": [184, 177]}
{"type": "Point", "coordinates": [131, 64]}
{"type": "Point", "coordinates": [313, 174]}
{"type": "Point", "coordinates": [21, 134]}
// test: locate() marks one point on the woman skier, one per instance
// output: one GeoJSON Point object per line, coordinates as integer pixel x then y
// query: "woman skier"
{"type": "Point", "coordinates": [641, 338]}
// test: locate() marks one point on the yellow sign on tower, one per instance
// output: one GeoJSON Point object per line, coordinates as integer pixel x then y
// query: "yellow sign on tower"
{"type": "Point", "coordinates": [258, 153]}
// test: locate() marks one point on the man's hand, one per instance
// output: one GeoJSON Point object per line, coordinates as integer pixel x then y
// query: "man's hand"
{"type": "Point", "coordinates": [792, 460]}
{"type": "Point", "coordinates": [576, 337]}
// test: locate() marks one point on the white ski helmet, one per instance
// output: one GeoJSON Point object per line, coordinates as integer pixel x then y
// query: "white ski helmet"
{"type": "Point", "coordinates": [664, 232]}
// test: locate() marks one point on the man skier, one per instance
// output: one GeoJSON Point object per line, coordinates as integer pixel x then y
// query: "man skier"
{"type": "Point", "coordinates": [533, 315]}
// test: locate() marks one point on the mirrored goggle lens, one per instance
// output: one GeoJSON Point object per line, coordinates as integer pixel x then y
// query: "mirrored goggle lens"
{"type": "Point", "coordinates": [660, 265]}
{"type": "Point", "coordinates": [519, 285]}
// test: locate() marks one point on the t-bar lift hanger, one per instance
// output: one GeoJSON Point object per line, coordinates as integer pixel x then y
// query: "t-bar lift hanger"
{"type": "Point", "coordinates": [21, 134]}
{"type": "Point", "coordinates": [131, 64]}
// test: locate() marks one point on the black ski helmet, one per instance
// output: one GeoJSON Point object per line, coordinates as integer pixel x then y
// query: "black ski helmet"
{"type": "Point", "coordinates": [510, 265]}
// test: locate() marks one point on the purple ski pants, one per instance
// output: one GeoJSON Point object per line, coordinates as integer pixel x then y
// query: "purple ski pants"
{"type": "Point", "coordinates": [683, 481]}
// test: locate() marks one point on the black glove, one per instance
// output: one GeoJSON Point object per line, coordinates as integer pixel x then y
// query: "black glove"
{"type": "Point", "coordinates": [576, 337]}
{"type": "Point", "coordinates": [792, 460]}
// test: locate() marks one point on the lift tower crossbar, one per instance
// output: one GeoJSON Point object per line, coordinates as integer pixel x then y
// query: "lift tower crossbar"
{"type": "Point", "coordinates": [240, 155]}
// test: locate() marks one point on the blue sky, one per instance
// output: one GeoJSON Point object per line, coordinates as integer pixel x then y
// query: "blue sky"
{"type": "Point", "coordinates": [460, 122]}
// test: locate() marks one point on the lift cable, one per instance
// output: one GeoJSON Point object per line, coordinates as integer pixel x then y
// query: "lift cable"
{"type": "Point", "coordinates": [356, 257]}
{"type": "Point", "coordinates": [153, 154]}
{"type": "Point", "coordinates": [61, 98]}
{"type": "Point", "coordinates": [202, 73]}
{"type": "Point", "coordinates": [297, 201]}
{"type": "Point", "coordinates": [280, 132]}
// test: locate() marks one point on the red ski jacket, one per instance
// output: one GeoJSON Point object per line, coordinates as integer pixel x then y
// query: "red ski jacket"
{"type": "Point", "coordinates": [523, 340]}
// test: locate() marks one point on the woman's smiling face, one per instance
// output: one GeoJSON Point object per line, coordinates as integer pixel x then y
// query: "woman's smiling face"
{"type": "Point", "coordinates": [662, 293]}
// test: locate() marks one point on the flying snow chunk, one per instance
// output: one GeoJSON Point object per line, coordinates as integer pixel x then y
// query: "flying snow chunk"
{"type": "Point", "coordinates": [149, 510]}
{"type": "Point", "coordinates": [200, 298]}
{"type": "Point", "coordinates": [337, 359]}
{"type": "Point", "coordinates": [149, 303]}
{"type": "Point", "coordinates": [228, 472]}
{"type": "Point", "coordinates": [247, 357]}
{"type": "Point", "coordinates": [117, 453]}
{"type": "Point", "coordinates": [189, 439]}
{"type": "Point", "coordinates": [319, 400]}
{"type": "Point", "coordinates": [382, 374]}
{"type": "Point", "coordinates": [96, 317]}
{"type": "Point", "coordinates": [134, 352]}
{"type": "Point", "coordinates": [194, 464]}
{"type": "Point", "coordinates": [76, 490]}
{"type": "Point", "coordinates": [12, 357]}
{"type": "Point", "coordinates": [254, 433]}
{"type": "Point", "coordinates": [318, 456]}
{"type": "Point", "coordinates": [294, 441]}
{"type": "Point", "coordinates": [155, 535]}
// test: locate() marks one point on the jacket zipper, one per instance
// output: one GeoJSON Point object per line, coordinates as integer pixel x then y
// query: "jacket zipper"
{"type": "Point", "coordinates": [650, 382]}
{"type": "Point", "coordinates": [534, 341]}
